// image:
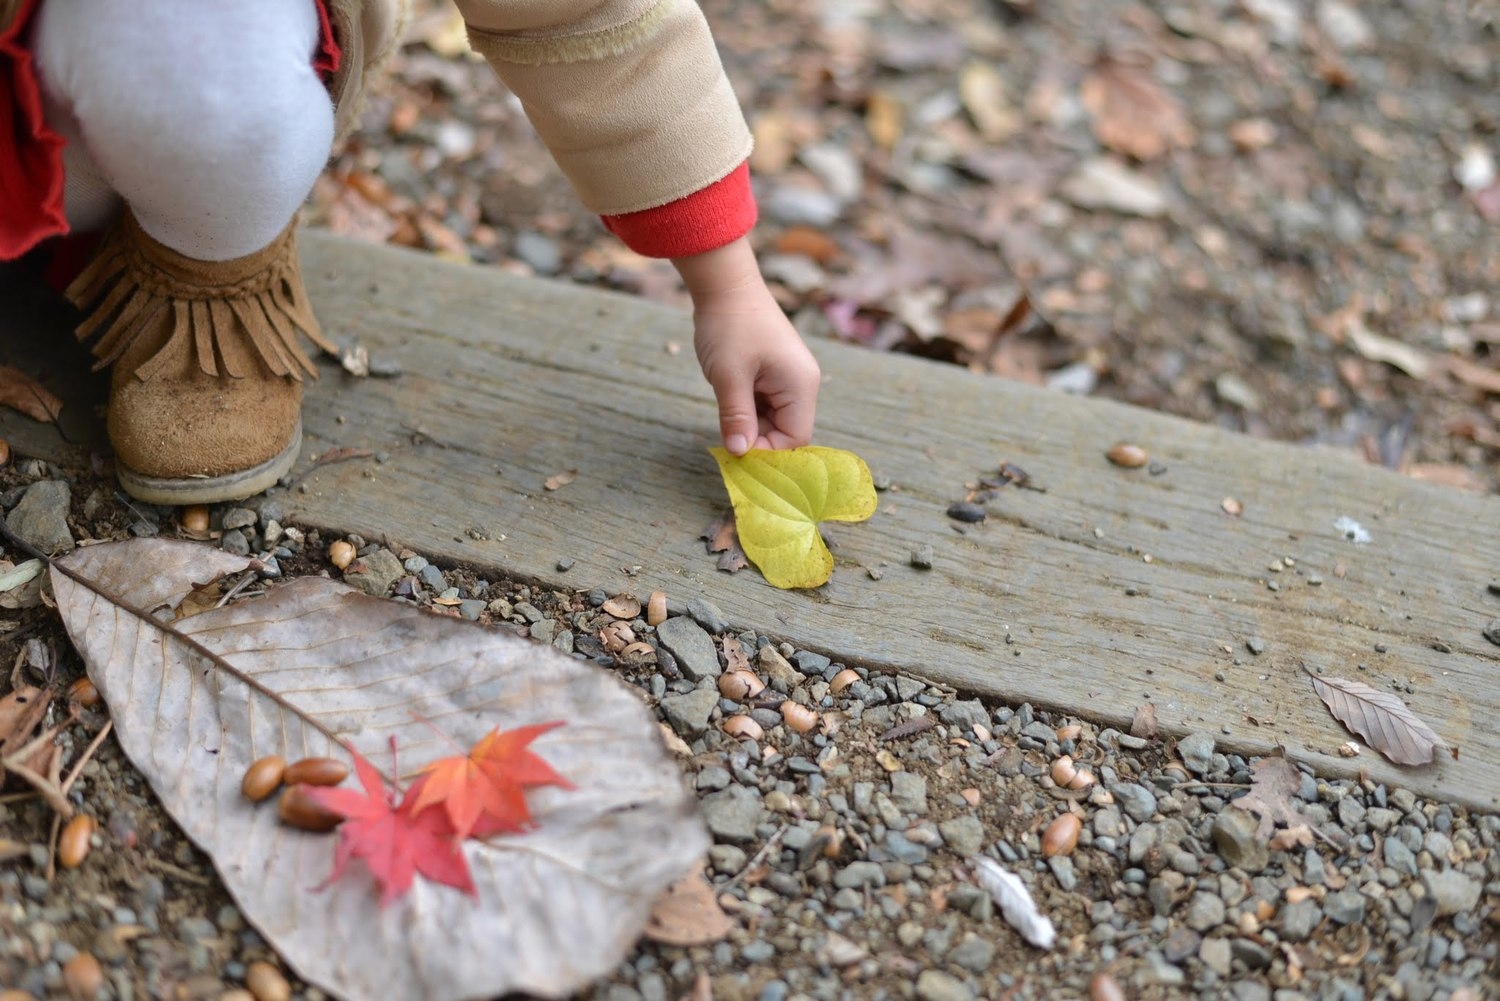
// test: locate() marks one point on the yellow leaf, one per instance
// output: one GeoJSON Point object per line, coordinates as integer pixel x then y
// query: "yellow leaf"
{"type": "Point", "coordinates": [780, 496]}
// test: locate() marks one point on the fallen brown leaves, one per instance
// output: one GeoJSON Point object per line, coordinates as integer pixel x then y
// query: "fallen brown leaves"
{"type": "Point", "coordinates": [1133, 115]}
{"type": "Point", "coordinates": [723, 538]}
{"type": "Point", "coordinates": [22, 393]}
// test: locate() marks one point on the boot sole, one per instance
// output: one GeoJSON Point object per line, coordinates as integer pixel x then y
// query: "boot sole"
{"type": "Point", "coordinates": [212, 489]}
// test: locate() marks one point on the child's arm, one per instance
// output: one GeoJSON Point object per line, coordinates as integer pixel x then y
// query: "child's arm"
{"type": "Point", "coordinates": [631, 99]}
{"type": "Point", "coordinates": [765, 379]}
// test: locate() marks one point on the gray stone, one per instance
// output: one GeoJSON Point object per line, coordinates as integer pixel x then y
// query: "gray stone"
{"type": "Point", "coordinates": [688, 714]}
{"type": "Point", "coordinates": [1136, 800]}
{"type": "Point", "coordinates": [538, 250]}
{"type": "Point", "coordinates": [713, 778]}
{"type": "Point", "coordinates": [432, 578]}
{"type": "Point", "coordinates": [909, 792]}
{"type": "Point", "coordinates": [1214, 954]}
{"type": "Point", "coordinates": [728, 859]}
{"type": "Point", "coordinates": [1234, 837]}
{"type": "Point", "coordinates": [374, 574]}
{"type": "Point", "coordinates": [1399, 857]}
{"type": "Point", "coordinates": [707, 615]}
{"type": "Point", "coordinates": [1451, 890]}
{"type": "Point", "coordinates": [1063, 872]}
{"type": "Point", "coordinates": [1347, 907]}
{"type": "Point", "coordinates": [811, 663]}
{"type": "Point", "coordinates": [693, 648]}
{"type": "Point", "coordinates": [734, 813]}
{"type": "Point", "coordinates": [1205, 911]}
{"type": "Point", "coordinates": [41, 517]}
{"type": "Point", "coordinates": [1250, 990]}
{"type": "Point", "coordinates": [964, 834]}
{"type": "Point", "coordinates": [966, 715]}
{"type": "Point", "coordinates": [935, 985]}
{"type": "Point", "coordinates": [974, 954]}
{"type": "Point", "coordinates": [470, 608]}
{"type": "Point", "coordinates": [1197, 752]}
{"type": "Point", "coordinates": [779, 673]}
{"type": "Point", "coordinates": [239, 517]}
{"type": "Point", "coordinates": [545, 630]}
{"type": "Point", "coordinates": [1298, 920]}
{"type": "Point", "coordinates": [903, 849]}
{"type": "Point", "coordinates": [859, 874]}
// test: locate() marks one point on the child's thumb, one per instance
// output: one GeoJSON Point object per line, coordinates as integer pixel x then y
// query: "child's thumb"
{"type": "Point", "coordinates": [738, 421]}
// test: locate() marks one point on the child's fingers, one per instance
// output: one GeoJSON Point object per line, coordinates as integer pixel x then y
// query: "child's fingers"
{"type": "Point", "coordinates": [792, 423]}
{"type": "Point", "coordinates": [739, 424]}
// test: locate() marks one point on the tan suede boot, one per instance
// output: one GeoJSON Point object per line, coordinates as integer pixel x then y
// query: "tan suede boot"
{"type": "Point", "coordinates": [205, 398]}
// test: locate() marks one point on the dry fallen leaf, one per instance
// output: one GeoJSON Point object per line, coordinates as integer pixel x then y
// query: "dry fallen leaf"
{"type": "Point", "coordinates": [313, 666]}
{"type": "Point", "coordinates": [22, 393]}
{"type": "Point", "coordinates": [560, 480]}
{"type": "Point", "coordinates": [1382, 719]}
{"type": "Point", "coordinates": [687, 913]}
{"type": "Point", "coordinates": [724, 540]}
{"type": "Point", "coordinates": [21, 712]}
{"type": "Point", "coordinates": [1132, 113]}
{"type": "Point", "coordinates": [1273, 781]}
{"type": "Point", "coordinates": [1143, 723]}
{"type": "Point", "coordinates": [735, 658]}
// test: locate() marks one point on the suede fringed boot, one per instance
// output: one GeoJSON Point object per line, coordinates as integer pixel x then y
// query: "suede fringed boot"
{"type": "Point", "coordinates": [206, 394]}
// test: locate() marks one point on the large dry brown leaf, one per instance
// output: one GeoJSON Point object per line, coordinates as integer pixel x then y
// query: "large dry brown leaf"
{"type": "Point", "coordinates": [315, 663]}
{"type": "Point", "coordinates": [1382, 719]}
{"type": "Point", "coordinates": [21, 713]}
{"type": "Point", "coordinates": [688, 913]}
{"type": "Point", "coordinates": [1132, 113]}
{"type": "Point", "coordinates": [1273, 783]}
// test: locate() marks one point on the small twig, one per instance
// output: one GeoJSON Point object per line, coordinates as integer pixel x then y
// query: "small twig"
{"type": "Point", "coordinates": [17, 797]}
{"type": "Point", "coordinates": [52, 846]}
{"type": "Point", "coordinates": [177, 871]}
{"type": "Point", "coordinates": [88, 752]}
{"type": "Point", "coordinates": [239, 585]}
{"type": "Point", "coordinates": [760, 857]}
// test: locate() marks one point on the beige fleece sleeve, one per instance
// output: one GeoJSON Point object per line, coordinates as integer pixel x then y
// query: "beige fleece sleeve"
{"type": "Point", "coordinates": [629, 95]}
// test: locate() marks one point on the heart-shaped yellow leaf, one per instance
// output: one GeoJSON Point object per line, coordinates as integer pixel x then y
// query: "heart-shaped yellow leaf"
{"type": "Point", "coordinates": [780, 496]}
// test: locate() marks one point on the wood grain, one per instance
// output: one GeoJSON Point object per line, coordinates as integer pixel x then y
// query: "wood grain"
{"type": "Point", "coordinates": [1109, 588]}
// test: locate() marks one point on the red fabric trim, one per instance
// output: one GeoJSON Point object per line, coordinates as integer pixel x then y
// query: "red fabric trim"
{"type": "Point", "coordinates": [31, 167]}
{"type": "Point", "coordinates": [705, 220]}
{"type": "Point", "coordinates": [326, 60]}
{"type": "Point", "coordinates": [31, 174]}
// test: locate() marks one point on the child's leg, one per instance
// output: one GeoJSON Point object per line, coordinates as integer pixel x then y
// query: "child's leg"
{"type": "Point", "coordinates": [208, 120]}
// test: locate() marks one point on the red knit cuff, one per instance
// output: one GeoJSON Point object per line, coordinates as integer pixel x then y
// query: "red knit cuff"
{"type": "Point", "coordinates": [705, 220]}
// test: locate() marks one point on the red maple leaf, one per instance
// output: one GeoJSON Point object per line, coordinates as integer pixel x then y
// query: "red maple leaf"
{"type": "Point", "coordinates": [394, 842]}
{"type": "Point", "coordinates": [484, 792]}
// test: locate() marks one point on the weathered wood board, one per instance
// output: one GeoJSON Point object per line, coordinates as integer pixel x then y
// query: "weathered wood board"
{"type": "Point", "coordinates": [1108, 589]}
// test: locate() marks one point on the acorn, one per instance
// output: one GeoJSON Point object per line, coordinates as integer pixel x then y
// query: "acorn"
{"type": "Point", "coordinates": [740, 685]}
{"type": "Point", "coordinates": [1128, 455]}
{"type": "Point", "coordinates": [743, 727]}
{"type": "Point", "coordinates": [341, 553]}
{"type": "Point", "coordinates": [83, 976]}
{"type": "Point", "coordinates": [656, 608]}
{"type": "Point", "coordinates": [262, 777]}
{"type": "Point", "coordinates": [194, 518]}
{"type": "Point", "coordinates": [316, 772]}
{"type": "Point", "coordinates": [843, 680]}
{"type": "Point", "coordinates": [1061, 836]}
{"type": "Point", "coordinates": [74, 842]}
{"type": "Point", "coordinates": [297, 809]}
{"type": "Point", "coordinates": [266, 982]}
{"type": "Point", "coordinates": [83, 693]}
{"type": "Point", "coordinates": [798, 717]}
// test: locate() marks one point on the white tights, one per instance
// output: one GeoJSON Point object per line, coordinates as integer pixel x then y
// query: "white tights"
{"type": "Point", "coordinates": [205, 116]}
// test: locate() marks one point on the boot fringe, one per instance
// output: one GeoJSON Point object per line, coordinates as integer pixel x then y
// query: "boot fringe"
{"type": "Point", "coordinates": [135, 285]}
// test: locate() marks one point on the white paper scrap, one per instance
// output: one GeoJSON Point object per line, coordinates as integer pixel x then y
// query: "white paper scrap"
{"type": "Point", "coordinates": [1016, 905]}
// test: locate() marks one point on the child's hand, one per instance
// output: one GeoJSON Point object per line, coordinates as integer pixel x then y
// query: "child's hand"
{"type": "Point", "coordinates": [765, 379]}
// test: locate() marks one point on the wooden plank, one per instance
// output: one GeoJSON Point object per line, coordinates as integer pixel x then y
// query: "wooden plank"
{"type": "Point", "coordinates": [1111, 588]}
